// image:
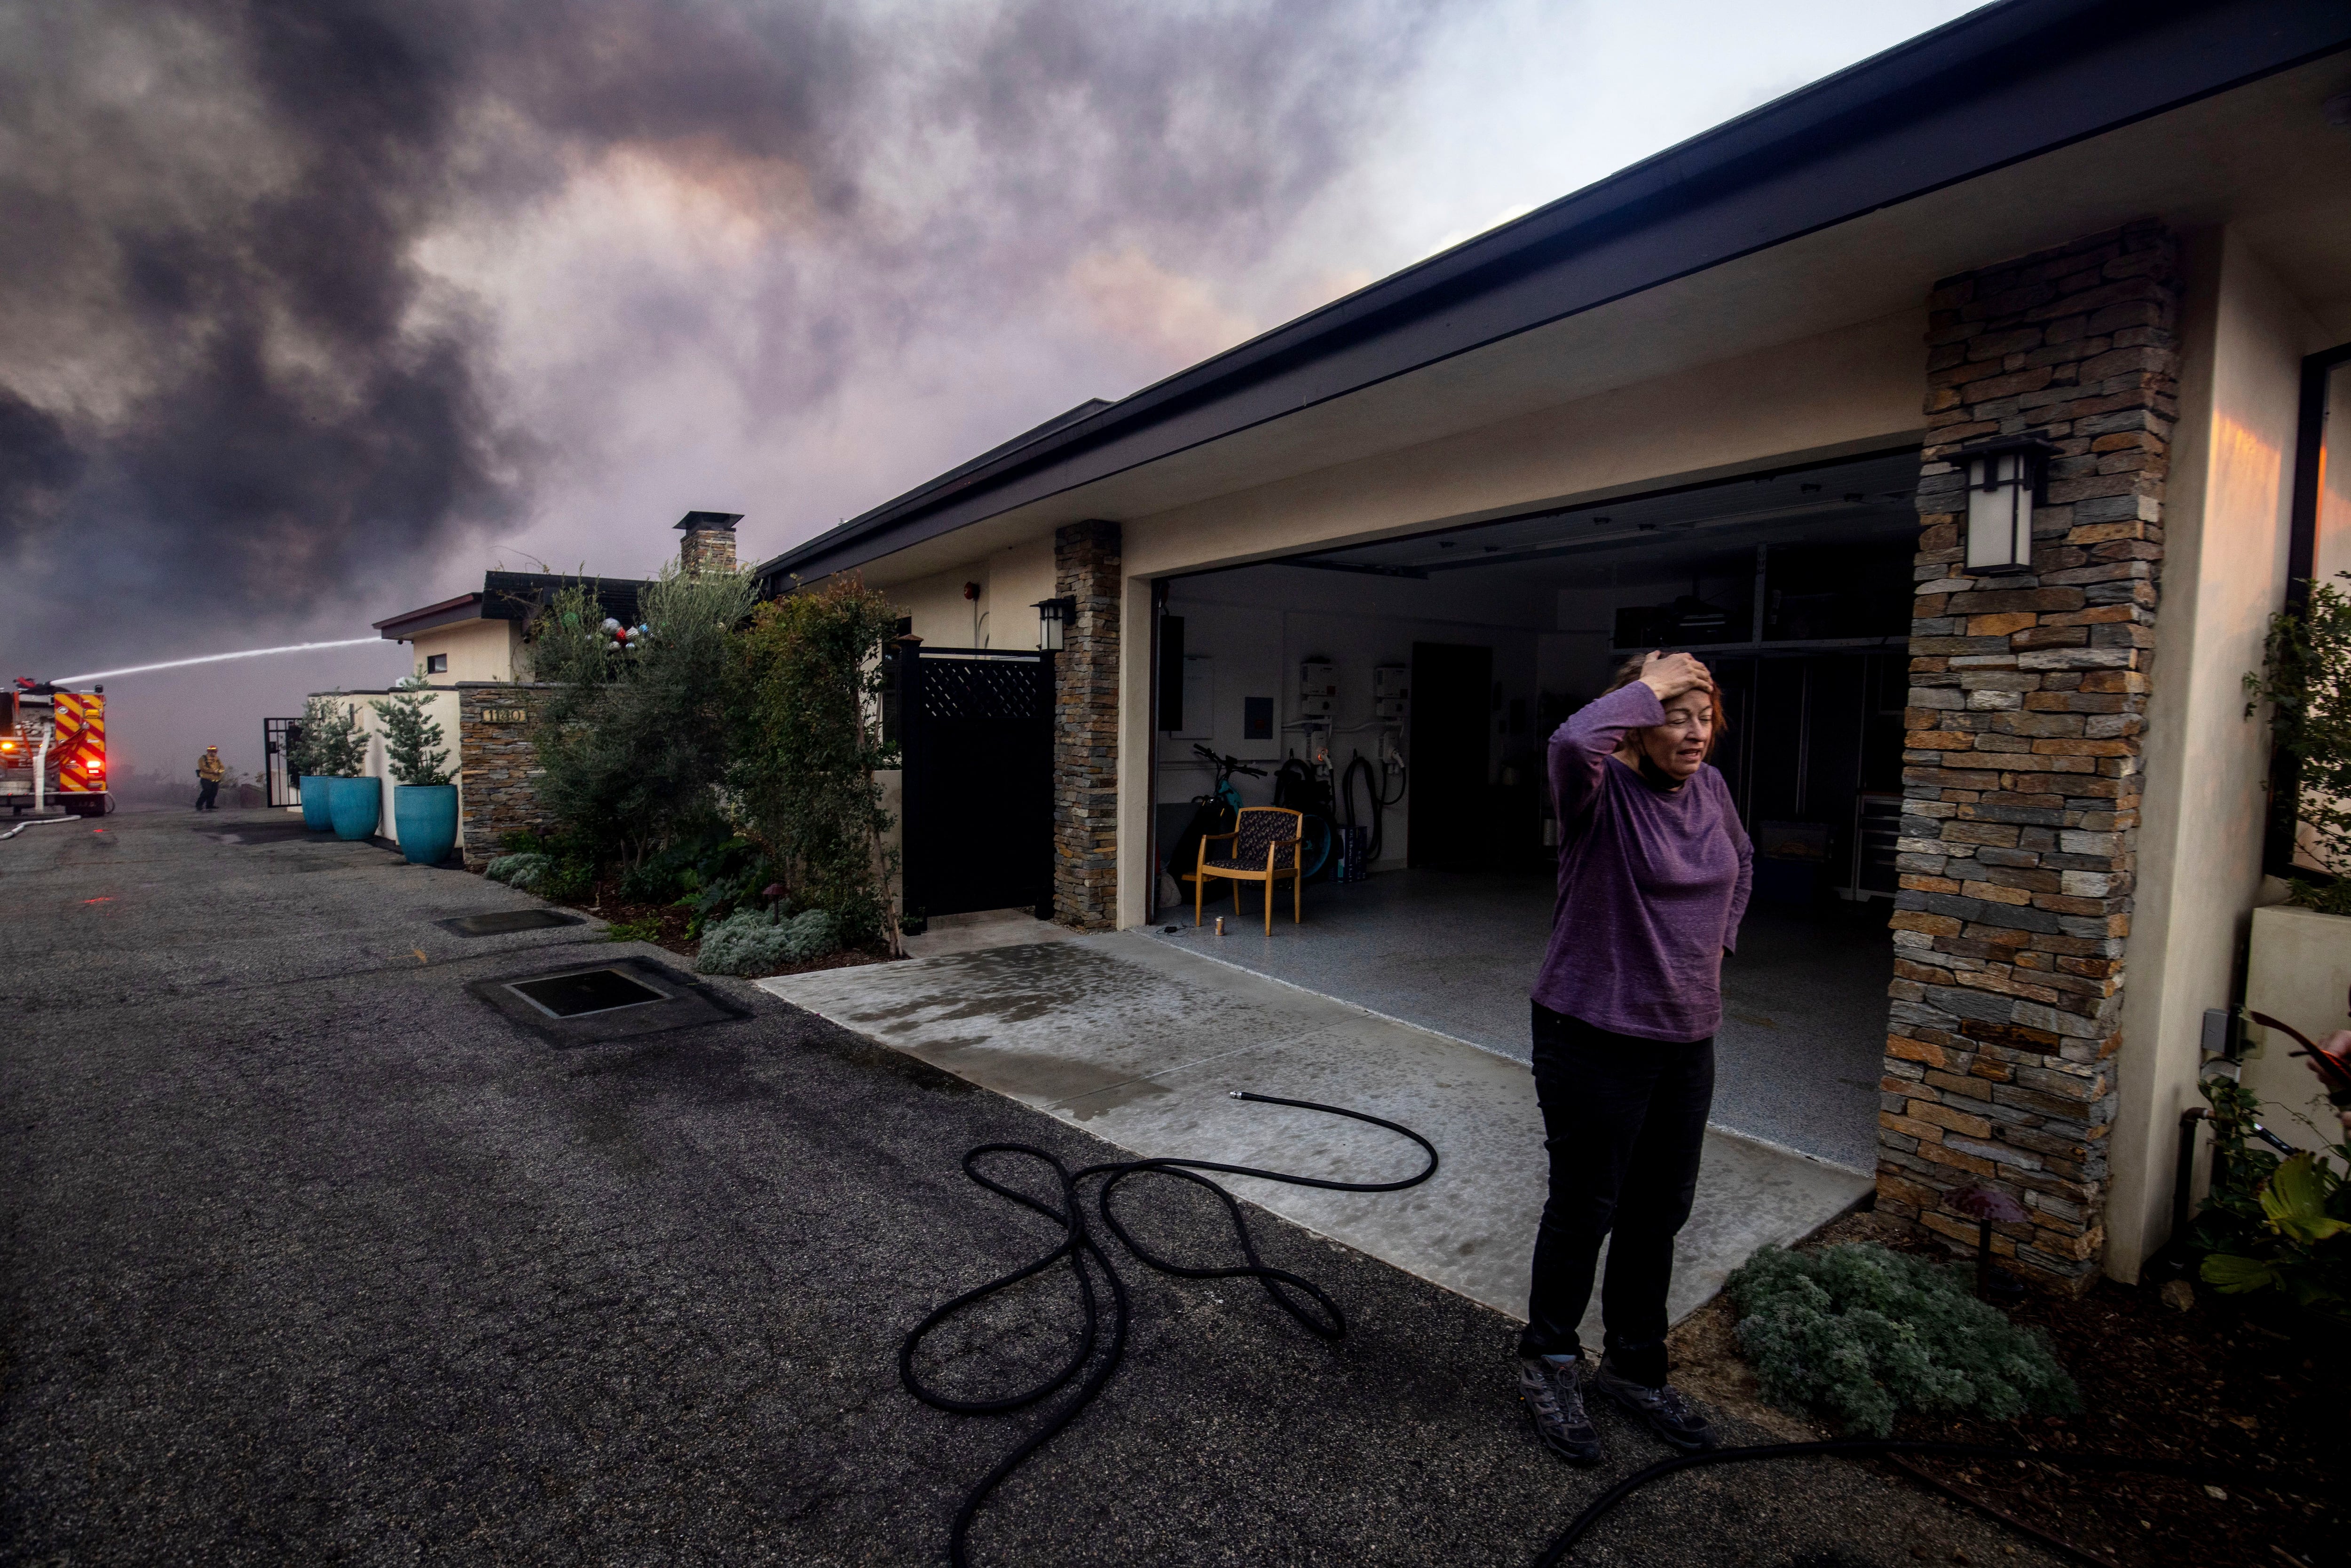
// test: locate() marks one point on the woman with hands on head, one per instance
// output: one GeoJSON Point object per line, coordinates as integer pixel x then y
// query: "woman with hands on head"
{"type": "Point", "coordinates": [1654, 870]}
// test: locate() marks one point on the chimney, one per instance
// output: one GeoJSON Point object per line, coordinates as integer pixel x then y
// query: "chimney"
{"type": "Point", "coordinates": [709, 543]}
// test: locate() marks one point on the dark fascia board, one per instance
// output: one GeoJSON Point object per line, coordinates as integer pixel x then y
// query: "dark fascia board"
{"type": "Point", "coordinates": [518, 595]}
{"type": "Point", "coordinates": [1999, 85]}
{"type": "Point", "coordinates": [401, 628]}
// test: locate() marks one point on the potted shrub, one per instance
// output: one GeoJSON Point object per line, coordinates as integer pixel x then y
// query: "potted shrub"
{"type": "Point", "coordinates": [2299, 963]}
{"type": "Point", "coordinates": [354, 802]}
{"type": "Point", "coordinates": [424, 802]}
{"type": "Point", "coordinates": [326, 744]}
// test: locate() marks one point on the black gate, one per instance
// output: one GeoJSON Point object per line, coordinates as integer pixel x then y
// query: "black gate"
{"type": "Point", "coordinates": [277, 736]}
{"type": "Point", "coordinates": [976, 726]}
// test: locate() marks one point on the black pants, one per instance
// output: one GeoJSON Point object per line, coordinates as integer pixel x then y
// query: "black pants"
{"type": "Point", "coordinates": [1624, 1122]}
{"type": "Point", "coordinates": [206, 790]}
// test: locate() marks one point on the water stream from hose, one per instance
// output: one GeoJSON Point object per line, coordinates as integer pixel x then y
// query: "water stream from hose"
{"type": "Point", "coordinates": [212, 659]}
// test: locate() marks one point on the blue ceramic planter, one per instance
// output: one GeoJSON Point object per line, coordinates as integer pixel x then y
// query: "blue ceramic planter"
{"type": "Point", "coordinates": [355, 804]}
{"type": "Point", "coordinates": [318, 811]}
{"type": "Point", "coordinates": [427, 816]}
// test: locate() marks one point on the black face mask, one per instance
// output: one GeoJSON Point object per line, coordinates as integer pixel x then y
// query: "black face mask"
{"type": "Point", "coordinates": [1658, 778]}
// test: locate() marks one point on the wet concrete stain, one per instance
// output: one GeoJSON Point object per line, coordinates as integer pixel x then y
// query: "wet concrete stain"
{"type": "Point", "coordinates": [1010, 985]}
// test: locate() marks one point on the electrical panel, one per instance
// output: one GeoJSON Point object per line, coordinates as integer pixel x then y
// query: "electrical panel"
{"type": "Point", "coordinates": [1318, 690]}
{"type": "Point", "coordinates": [1391, 691]}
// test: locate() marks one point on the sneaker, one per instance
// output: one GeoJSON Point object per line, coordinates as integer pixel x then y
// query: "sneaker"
{"type": "Point", "coordinates": [1668, 1414]}
{"type": "Point", "coordinates": [1553, 1395]}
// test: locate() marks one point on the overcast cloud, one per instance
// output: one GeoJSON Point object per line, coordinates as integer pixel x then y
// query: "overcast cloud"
{"type": "Point", "coordinates": [308, 314]}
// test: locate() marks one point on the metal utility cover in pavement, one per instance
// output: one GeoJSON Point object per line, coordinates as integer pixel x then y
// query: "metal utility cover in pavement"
{"type": "Point", "coordinates": [590, 991]}
{"type": "Point", "coordinates": [505, 920]}
{"type": "Point", "coordinates": [590, 1004]}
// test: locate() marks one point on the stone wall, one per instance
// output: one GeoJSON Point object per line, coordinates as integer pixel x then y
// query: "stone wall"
{"type": "Point", "coordinates": [2028, 699]}
{"type": "Point", "coordinates": [706, 550]}
{"type": "Point", "coordinates": [1085, 729]}
{"type": "Point", "coordinates": [498, 770]}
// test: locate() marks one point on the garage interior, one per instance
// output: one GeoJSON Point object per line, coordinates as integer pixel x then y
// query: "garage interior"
{"type": "Point", "coordinates": [1445, 660]}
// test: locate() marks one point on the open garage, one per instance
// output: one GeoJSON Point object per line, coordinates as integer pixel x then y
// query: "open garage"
{"type": "Point", "coordinates": [1410, 686]}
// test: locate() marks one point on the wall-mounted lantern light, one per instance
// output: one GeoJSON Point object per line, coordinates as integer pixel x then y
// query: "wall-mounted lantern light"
{"type": "Point", "coordinates": [2005, 478]}
{"type": "Point", "coordinates": [1054, 618]}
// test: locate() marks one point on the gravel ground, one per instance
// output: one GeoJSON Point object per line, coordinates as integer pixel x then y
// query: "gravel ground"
{"type": "Point", "coordinates": [310, 1255]}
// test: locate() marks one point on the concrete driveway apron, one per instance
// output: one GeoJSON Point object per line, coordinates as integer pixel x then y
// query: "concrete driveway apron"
{"type": "Point", "coordinates": [1140, 1043]}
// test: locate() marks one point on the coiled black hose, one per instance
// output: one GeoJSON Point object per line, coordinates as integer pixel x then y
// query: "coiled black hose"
{"type": "Point", "coordinates": [1084, 1254]}
{"type": "Point", "coordinates": [1379, 802]}
{"type": "Point", "coordinates": [1347, 804]}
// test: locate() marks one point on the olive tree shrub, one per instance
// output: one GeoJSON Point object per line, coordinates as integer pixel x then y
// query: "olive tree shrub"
{"type": "Point", "coordinates": [808, 679]}
{"type": "Point", "coordinates": [634, 735]}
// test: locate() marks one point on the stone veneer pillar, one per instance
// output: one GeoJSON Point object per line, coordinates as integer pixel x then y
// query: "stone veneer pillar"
{"type": "Point", "coordinates": [1085, 729]}
{"type": "Point", "coordinates": [498, 770]}
{"type": "Point", "coordinates": [706, 550]}
{"type": "Point", "coordinates": [2023, 774]}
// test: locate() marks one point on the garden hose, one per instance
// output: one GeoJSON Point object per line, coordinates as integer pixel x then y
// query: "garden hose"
{"type": "Point", "coordinates": [1372, 791]}
{"type": "Point", "coordinates": [1893, 1447]}
{"type": "Point", "coordinates": [1321, 1316]}
{"type": "Point", "coordinates": [1317, 1313]}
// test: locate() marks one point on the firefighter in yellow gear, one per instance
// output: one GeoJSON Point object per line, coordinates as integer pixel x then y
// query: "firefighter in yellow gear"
{"type": "Point", "coordinates": [210, 771]}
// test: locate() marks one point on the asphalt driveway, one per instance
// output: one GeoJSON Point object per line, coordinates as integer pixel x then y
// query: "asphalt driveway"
{"type": "Point", "coordinates": [311, 1255]}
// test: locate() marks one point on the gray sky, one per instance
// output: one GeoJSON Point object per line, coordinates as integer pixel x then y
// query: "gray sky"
{"type": "Point", "coordinates": [309, 315]}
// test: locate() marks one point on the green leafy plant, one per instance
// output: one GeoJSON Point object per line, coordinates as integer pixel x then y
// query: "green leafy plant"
{"type": "Point", "coordinates": [808, 742]}
{"type": "Point", "coordinates": [759, 941]}
{"type": "Point", "coordinates": [632, 738]}
{"type": "Point", "coordinates": [551, 868]}
{"type": "Point", "coordinates": [1863, 1333]}
{"type": "Point", "coordinates": [2305, 679]}
{"type": "Point", "coordinates": [327, 742]}
{"type": "Point", "coordinates": [632, 931]}
{"type": "Point", "coordinates": [411, 734]}
{"type": "Point", "coordinates": [2272, 1224]}
{"type": "Point", "coordinates": [709, 874]}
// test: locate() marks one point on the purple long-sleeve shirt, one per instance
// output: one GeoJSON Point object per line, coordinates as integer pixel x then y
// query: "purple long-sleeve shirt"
{"type": "Point", "coordinates": [1652, 882]}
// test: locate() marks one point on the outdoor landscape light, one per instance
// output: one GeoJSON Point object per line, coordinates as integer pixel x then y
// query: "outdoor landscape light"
{"type": "Point", "coordinates": [1054, 617]}
{"type": "Point", "coordinates": [2004, 479]}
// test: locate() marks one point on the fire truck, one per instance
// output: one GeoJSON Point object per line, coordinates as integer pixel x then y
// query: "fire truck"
{"type": "Point", "coordinates": [53, 749]}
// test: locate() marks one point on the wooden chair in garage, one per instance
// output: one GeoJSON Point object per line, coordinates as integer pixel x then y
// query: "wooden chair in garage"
{"type": "Point", "coordinates": [1265, 840]}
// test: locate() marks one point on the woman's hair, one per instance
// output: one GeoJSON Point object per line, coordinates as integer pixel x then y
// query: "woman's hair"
{"type": "Point", "coordinates": [1630, 670]}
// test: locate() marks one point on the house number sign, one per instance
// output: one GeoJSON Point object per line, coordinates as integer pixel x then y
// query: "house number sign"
{"type": "Point", "coordinates": [504, 715]}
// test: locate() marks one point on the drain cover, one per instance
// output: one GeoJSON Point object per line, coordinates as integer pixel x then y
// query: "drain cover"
{"type": "Point", "coordinates": [505, 920]}
{"type": "Point", "coordinates": [590, 991]}
{"type": "Point", "coordinates": [611, 1001]}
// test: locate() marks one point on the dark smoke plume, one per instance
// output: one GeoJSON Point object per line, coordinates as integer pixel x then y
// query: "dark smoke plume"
{"type": "Point", "coordinates": [237, 395]}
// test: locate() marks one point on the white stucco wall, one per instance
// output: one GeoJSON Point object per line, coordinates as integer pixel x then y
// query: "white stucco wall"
{"type": "Point", "coordinates": [478, 650]}
{"type": "Point", "coordinates": [1011, 581]}
{"type": "Point", "coordinates": [1844, 391]}
{"type": "Point", "coordinates": [2226, 520]}
{"type": "Point", "coordinates": [2298, 972]}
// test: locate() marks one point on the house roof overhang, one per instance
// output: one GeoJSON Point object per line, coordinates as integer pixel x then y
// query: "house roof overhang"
{"type": "Point", "coordinates": [404, 627]}
{"type": "Point", "coordinates": [1999, 87]}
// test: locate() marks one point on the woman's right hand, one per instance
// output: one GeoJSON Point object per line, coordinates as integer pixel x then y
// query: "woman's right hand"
{"type": "Point", "coordinates": [1671, 674]}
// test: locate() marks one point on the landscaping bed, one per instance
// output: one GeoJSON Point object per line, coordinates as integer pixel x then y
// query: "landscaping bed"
{"type": "Point", "coordinates": [2219, 1382]}
{"type": "Point", "coordinates": [669, 926]}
